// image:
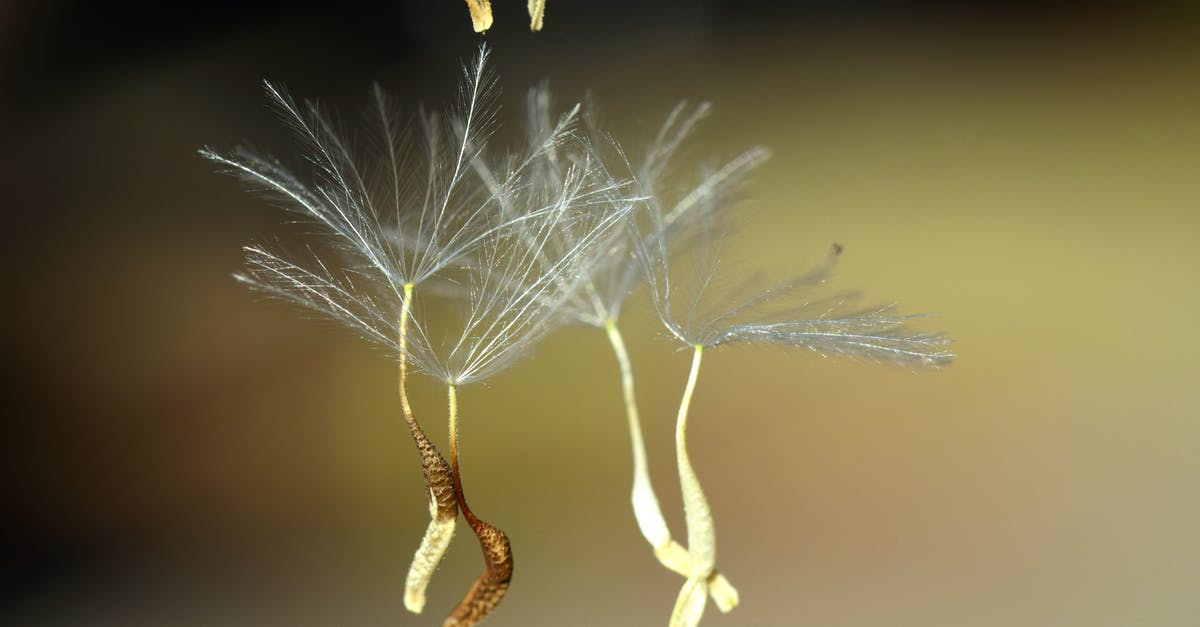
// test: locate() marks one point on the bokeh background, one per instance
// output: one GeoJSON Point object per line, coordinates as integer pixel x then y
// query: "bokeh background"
{"type": "Point", "coordinates": [178, 452]}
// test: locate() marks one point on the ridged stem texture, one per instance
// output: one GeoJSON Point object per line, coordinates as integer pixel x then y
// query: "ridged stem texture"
{"type": "Point", "coordinates": [439, 485]}
{"type": "Point", "coordinates": [493, 583]}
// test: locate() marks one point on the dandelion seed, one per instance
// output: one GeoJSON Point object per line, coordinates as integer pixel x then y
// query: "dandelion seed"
{"type": "Point", "coordinates": [385, 232]}
{"type": "Point", "coordinates": [743, 310]}
{"type": "Point", "coordinates": [513, 294]}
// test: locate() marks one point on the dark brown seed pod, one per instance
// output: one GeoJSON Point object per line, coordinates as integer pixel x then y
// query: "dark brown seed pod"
{"type": "Point", "coordinates": [439, 479]}
{"type": "Point", "coordinates": [443, 514]}
{"type": "Point", "coordinates": [488, 590]}
{"type": "Point", "coordinates": [491, 586]}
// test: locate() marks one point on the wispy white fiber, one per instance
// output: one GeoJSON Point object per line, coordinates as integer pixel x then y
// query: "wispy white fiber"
{"type": "Point", "coordinates": [510, 239]}
{"type": "Point", "coordinates": [701, 303]}
{"type": "Point", "coordinates": [521, 277]}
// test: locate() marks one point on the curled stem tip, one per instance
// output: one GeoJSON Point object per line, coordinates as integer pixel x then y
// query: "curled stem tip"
{"type": "Point", "coordinates": [443, 515]}
{"type": "Point", "coordinates": [491, 586]}
{"type": "Point", "coordinates": [489, 589]}
{"type": "Point", "coordinates": [723, 593]}
{"type": "Point", "coordinates": [437, 539]}
{"type": "Point", "coordinates": [689, 605]}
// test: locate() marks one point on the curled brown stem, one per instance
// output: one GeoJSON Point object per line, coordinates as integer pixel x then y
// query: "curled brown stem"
{"type": "Point", "coordinates": [492, 584]}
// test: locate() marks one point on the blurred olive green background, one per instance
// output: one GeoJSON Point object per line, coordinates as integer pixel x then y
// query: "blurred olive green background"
{"type": "Point", "coordinates": [179, 452]}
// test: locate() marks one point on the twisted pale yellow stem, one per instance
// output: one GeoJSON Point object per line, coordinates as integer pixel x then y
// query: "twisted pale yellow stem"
{"type": "Point", "coordinates": [689, 606]}
{"type": "Point", "coordinates": [405, 313]}
{"type": "Point", "coordinates": [646, 509]}
{"type": "Point", "coordinates": [702, 579]}
{"type": "Point", "coordinates": [702, 543]}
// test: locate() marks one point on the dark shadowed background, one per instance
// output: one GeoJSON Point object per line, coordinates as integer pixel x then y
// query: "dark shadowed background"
{"type": "Point", "coordinates": [177, 451]}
